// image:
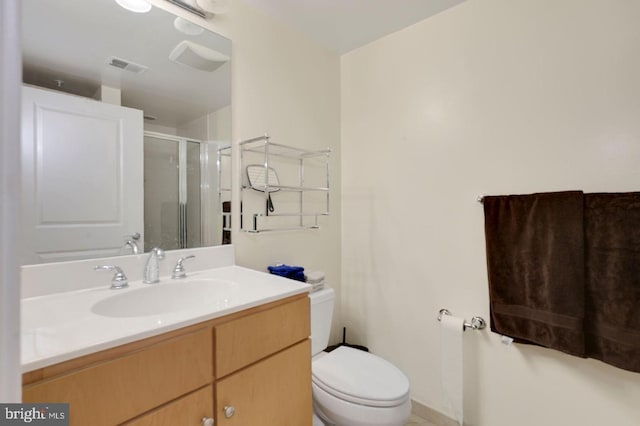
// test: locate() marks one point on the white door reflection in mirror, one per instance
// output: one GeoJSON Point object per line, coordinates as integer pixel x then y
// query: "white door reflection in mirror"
{"type": "Point", "coordinates": [82, 181]}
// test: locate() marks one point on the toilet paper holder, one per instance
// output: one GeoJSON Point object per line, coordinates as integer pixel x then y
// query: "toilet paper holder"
{"type": "Point", "coordinates": [477, 323]}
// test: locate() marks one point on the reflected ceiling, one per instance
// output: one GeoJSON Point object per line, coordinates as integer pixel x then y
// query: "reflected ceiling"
{"type": "Point", "coordinates": [174, 93]}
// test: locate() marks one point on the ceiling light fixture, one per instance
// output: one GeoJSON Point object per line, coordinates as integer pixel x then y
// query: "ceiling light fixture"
{"type": "Point", "coordinates": [197, 56]}
{"type": "Point", "coordinates": [137, 6]}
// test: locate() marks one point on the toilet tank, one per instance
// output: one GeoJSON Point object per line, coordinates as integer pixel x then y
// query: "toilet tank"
{"type": "Point", "coordinates": [321, 306]}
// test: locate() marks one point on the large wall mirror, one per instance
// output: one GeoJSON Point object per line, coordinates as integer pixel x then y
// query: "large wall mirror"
{"type": "Point", "coordinates": [126, 124]}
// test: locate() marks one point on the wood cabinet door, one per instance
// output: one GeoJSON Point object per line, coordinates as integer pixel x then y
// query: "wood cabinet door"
{"type": "Point", "coordinates": [186, 411]}
{"type": "Point", "coordinates": [245, 340]}
{"type": "Point", "coordinates": [273, 392]}
{"type": "Point", "coordinates": [115, 391]}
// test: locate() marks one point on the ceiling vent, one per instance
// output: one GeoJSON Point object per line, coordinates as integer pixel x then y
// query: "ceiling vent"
{"type": "Point", "coordinates": [123, 64]}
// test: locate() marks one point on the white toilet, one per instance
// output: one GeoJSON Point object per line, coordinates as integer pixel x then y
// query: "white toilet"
{"type": "Point", "coordinates": [352, 387]}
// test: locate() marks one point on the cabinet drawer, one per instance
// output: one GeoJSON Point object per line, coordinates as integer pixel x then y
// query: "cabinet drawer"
{"type": "Point", "coordinates": [273, 392]}
{"type": "Point", "coordinates": [186, 411]}
{"type": "Point", "coordinates": [248, 339]}
{"type": "Point", "coordinates": [112, 392]}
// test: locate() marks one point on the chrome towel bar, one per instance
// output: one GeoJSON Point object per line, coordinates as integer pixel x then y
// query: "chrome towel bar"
{"type": "Point", "coordinates": [477, 323]}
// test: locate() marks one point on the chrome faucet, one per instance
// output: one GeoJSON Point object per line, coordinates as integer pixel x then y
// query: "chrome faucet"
{"type": "Point", "coordinates": [179, 271]}
{"type": "Point", "coordinates": [131, 245]}
{"type": "Point", "coordinates": [151, 268]}
{"type": "Point", "coordinates": [119, 279]}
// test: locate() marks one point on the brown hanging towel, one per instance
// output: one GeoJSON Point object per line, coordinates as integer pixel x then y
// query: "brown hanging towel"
{"type": "Point", "coordinates": [612, 303]}
{"type": "Point", "coordinates": [535, 263]}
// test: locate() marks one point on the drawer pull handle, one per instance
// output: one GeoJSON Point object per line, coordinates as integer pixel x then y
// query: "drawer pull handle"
{"type": "Point", "coordinates": [229, 411]}
{"type": "Point", "coordinates": [207, 421]}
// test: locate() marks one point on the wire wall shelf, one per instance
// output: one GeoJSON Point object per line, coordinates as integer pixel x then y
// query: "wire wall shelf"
{"type": "Point", "coordinates": [283, 188]}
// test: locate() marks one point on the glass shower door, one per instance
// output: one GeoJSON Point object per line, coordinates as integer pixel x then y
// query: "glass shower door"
{"type": "Point", "coordinates": [172, 205]}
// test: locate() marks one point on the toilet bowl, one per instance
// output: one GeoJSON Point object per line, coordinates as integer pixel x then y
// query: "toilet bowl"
{"type": "Point", "coordinates": [356, 388]}
{"type": "Point", "coordinates": [352, 387]}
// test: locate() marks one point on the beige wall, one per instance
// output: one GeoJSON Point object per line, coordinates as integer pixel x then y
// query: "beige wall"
{"type": "Point", "coordinates": [491, 97]}
{"type": "Point", "coordinates": [288, 87]}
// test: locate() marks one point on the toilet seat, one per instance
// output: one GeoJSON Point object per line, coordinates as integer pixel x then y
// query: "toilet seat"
{"type": "Point", "coordinates": [361, 378]}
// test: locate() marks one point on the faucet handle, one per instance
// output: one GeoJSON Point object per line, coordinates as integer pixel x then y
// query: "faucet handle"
{"type": "Point", "coordinates": [119, 279]}
{"type": "Point", "coordinates": [178, 271]}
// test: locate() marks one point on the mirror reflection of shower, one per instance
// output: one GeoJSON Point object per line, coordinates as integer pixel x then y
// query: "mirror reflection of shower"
{"type": "Point", "coordinates": [173, 186]}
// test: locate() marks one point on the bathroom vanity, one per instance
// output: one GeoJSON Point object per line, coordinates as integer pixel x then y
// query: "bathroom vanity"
{"type": "Point", "coordinates": [243, 360]}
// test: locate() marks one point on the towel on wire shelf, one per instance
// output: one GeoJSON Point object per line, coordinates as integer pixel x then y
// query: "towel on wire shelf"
{"type": "Point", "coordinates": [292, 272]}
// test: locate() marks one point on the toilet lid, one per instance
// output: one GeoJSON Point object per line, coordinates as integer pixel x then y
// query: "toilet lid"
{"type": "Point", "coordinates": [360, 377]}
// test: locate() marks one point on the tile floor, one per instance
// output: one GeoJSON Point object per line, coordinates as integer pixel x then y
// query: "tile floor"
{"type": "Point", "coordinates": [418, 421]}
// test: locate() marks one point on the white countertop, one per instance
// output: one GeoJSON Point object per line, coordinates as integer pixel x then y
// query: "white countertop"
{"type": "Point", "coordinates": [62, 326]}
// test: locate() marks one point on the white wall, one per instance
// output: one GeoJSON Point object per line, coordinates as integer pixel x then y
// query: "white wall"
{"type": "Point", "coordinates": [220, 125]}
{"type": "Point", "coordinates": [490, 97]}
{"type": "Point", "coordinates": [289, 87]}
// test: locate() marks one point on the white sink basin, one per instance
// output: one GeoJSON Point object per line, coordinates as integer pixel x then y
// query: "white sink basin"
{"type": "Point", "coordinates": [64, 325]}
{"type": "Point", "coordinates": [165, 298]}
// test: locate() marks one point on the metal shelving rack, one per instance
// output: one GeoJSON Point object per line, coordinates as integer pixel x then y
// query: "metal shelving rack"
{"type": "Point", "coordinates": [275, 155]}
{"type": "Point", "coordinates": [223, 161]}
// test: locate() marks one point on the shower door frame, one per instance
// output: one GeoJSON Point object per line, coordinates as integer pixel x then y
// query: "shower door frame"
{"type": "Point", "coordinates": [182, 184]}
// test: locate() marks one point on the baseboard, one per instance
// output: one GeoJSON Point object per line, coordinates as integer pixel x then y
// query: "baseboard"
{"type": "Point", "coordinates": [431, 415]}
